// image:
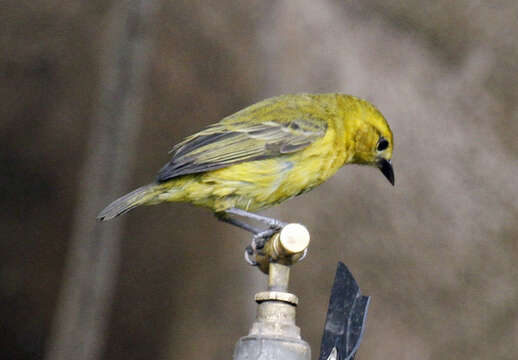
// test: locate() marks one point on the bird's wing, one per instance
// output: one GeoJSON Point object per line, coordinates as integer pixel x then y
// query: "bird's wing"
{"type": "Point", "coordinates": [230, 142]}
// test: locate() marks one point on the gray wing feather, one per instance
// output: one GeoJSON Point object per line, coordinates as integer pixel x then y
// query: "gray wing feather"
{"type": "Point", "coordinates": [222, 145]}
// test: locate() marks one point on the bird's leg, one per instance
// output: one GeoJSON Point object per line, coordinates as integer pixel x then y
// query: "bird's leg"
{"type": "Point", "coordinates": [258, 242]}
{"type": "Point", "coordinates": [259, 239]}
{"type": "Point", "coordinates": [271, 222]}
{"type": "Point", "coordinates": [260, 236]}
{"type": "Point", "coordinates": [251, 249]}
{"type": "Point", "coordinates": [222, 216]}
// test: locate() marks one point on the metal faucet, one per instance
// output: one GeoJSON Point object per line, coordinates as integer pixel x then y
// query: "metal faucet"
{"type": "Point", "coordinates": [274, 334]}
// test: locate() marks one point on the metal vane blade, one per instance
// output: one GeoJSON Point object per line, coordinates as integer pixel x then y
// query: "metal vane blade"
{"type": "Point", "coordinates": [346, 317]}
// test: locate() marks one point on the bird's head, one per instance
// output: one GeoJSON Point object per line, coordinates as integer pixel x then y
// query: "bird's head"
{"type": "Point", "coordinates": [372, 139]}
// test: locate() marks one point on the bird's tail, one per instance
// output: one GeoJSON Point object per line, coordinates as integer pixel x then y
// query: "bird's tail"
{"type": "Point", "coordinates": [137, 197]}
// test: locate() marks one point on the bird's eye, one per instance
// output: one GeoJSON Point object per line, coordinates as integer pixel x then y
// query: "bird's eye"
{"type": "Point", "coordinates": [382, 144]}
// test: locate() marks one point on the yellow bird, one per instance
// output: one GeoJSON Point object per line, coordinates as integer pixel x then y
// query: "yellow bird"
{"type": "Point", "coordinates": [267, 153]}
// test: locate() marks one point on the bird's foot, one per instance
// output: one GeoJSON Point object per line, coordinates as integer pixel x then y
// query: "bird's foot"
{"type": "Point", "coordinates": [258, 242]}
{"type": "Point", "coordinates": [260, 236]}
{"type": "Point", "coordinates": [304, 254]}
{"type": "Point", "coordinates": [250, 255]}
{"type": "Point", "coordinates": [274, 224]}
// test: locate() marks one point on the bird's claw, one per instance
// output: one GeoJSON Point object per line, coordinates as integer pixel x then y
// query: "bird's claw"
{"type": "Point", "coordinates": [259, 239]}
{"type": "Point", "coordinates": [304, 254]}
{"type": "Point", "coordinates": [258, 242]}
{"type": "Point", "coordinates": [249, 252]}
{"type": "Point", "coordinates": [276, 225]}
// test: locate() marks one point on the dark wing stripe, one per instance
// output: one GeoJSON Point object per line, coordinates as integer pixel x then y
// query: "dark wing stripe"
{"type": "Point", "coordinates": [289, 148]}
{"type": "Point", "coordinates": [171, 170]}
{"type": "Point", "coordinates": [202, 141]}
{"type": "Point", "coordinates": [222, 145]}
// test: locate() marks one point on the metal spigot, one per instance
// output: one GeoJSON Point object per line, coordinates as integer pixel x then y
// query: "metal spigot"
{"type": "Point", "coordinates": [274, 334]}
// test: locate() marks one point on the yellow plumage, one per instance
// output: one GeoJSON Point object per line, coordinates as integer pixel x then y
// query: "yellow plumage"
{"type": "Point", "coordinates": [267, 153]}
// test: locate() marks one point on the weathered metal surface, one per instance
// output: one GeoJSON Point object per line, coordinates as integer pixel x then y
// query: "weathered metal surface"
{"type": "Point", "coordinates": [346, 317]}
{"type": "Point", "coordinates": [271, 348]}
{"type": "Point", "coordinates": [286, 247]}
{"type": "Point", "coordinates": [277, 295]}
{"type": "Point", "coordinates": [274, 334]}
{"type": "Point", "coordinates": [279, 277]}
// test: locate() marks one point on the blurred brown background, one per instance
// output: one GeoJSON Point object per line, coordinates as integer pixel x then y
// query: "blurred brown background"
{"type": "Point", "coordinates": [438, 253]}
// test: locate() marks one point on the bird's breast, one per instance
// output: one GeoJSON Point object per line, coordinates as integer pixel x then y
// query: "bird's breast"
{"type": "Point", "coordinates": [260, 184]}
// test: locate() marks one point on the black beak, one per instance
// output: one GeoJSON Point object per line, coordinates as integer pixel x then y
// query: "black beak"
{"type": "Point", "coordinates": [386, 168]}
